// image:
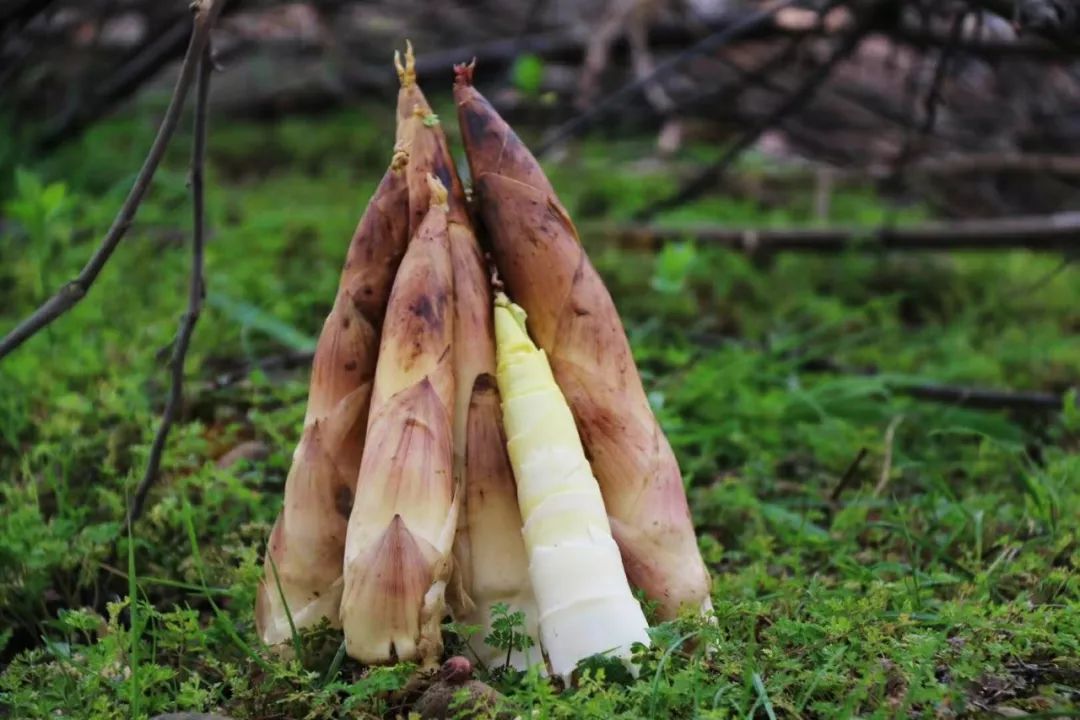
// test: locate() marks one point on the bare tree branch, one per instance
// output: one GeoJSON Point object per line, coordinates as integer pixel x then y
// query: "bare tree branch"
{"type": "Point", "coordinates": [68, 296]}
{"type": "Point", "coordinates": [932, 100]}
{"type": "Point", "coordinates": [973, 163]}
{"type": "Point", "coordinates": [980, 398]}
{"type": "Point", "coordinates": [603, 107]}
{"type": "Point", "coordinates": [196, 294]}
{"type": "Point", "coordinates": [708, 176]}
{"type": "Point", "coordinates": [158, 51]}
{"type": "Point", "coordinates": [1025, 48]}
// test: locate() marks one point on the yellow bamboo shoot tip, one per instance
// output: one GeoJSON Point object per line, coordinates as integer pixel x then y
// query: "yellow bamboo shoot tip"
{"type": "Point", "coordinates": [582, 594]}
{"type": "Point", "coordinates": [400, 159]}
{"type": "Point", "coordinates": [438, 192]}
{"type": "Point", "coordinates": [407, 72]}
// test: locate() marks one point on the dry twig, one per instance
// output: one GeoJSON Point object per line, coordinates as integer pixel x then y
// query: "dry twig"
{"type": "Point", "coordinates": [602, 108]}
{"type": "Point", "coordinates": [886, 464]}
{"type": "Point", "coordinates": [803, 93]}
{"type": "Point", "coordinates": [197, 291]}
{"type": "Point", "coordinates": [70, 294]}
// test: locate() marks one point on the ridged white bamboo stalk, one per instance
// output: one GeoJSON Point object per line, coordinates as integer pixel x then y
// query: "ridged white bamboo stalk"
{"type": "Point", "coordinates": [586, 606]}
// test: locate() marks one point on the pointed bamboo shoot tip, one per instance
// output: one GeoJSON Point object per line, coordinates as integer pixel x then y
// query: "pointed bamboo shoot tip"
{"type": "Point", "coordinates": [438, 192]}
{"type": "Point", "coordinates": [516, 311]}
{"type": "Point", "coordinates": [406, 73]}
{"type": "Point", "coordinates": [400, 159]}
{"type": "Point", "coordinates": [463, 73]}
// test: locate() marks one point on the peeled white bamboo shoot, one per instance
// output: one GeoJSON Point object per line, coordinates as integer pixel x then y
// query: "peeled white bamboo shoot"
{"type": "Point", "coordinates": [585, 603]}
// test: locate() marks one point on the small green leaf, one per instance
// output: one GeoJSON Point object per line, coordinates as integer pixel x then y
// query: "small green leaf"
{"type": "Point", "coordinates": [508, 630]}
{"type": "Point", "coordinates": [673, 265]}
{"type": "Point", "coordinates": [527, 74]}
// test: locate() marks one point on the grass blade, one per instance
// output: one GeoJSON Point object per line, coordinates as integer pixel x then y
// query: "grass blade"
{"type": "Point", "coordinates": [763, 696]}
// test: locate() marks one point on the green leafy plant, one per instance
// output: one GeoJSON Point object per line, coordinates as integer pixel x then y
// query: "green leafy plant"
{"type": "Point", "coordinates": [508, 631]}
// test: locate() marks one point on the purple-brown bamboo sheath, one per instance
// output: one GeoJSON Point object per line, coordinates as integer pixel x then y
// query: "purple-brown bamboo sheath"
{"type": "Point", "coordinates": [572, 317]}
{"type": "Point", "coordinates": [490, 564]}
{"type": "Point", "coordinates": [303, 567]}
{"type": "Point", "coordinates": [401, 530]}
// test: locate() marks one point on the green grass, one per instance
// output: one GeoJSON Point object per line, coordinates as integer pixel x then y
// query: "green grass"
{"type": "Point", "coordinates": [940, 580]}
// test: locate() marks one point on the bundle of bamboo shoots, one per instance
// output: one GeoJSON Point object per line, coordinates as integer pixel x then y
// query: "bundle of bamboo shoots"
{"type": "Point", "coordinates": [456, 455]}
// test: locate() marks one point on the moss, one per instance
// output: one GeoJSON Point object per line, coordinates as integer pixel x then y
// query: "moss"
{"type": "Point", "coordinates": [940, 578]}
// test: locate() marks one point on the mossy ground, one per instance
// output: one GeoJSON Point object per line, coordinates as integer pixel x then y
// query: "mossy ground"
{"type": "Point", "coordinates": [940, 579]}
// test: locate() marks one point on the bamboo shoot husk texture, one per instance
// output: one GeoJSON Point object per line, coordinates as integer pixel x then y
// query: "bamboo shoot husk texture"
{"type": "Point", "coordinates": [573, 318]}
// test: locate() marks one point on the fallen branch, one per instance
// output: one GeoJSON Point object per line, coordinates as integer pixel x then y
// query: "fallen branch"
{"type": "Point", "coordinates": [984, 398]}
{"type": "Point", "coordinates": [849, 474]}
{"type": "Point", "coordinates": [967, 396]}
{"type": "Point", "coordinates": [979, 398]}
{"type": "Point", "coordinates": [980, 163]}
{"type": "Point", "coordinates": [68, 296]}
{"type": "Point", "coordinates": [1050, 233]}
{"type": "Point", "coordinates": [933, 98]}
{"type": "Point", "coordinates": [196, 294]}
{"type": "Point", "coordinates": [989, 49]}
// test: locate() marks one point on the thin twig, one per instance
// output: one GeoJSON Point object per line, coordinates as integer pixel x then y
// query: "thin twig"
{"type": "Point", "coordinates": [848, 475]}
{"type": "Point", "coordinates": [711, 174]}
{"type": "Point", "coordinates": [989, 49]}
{"type": "Point", "coordinates": [759, 77]}
{"type": "Point", "coordinates": [738, 28]}
{"type": "Point", "coordinates": [74, 291]}
{"type": "Point", "coordinates": [980, 163]}
{"type": "Point", "coordinates": [197, 291]}
{"type": "Point", "coordinates": [234, 373]}
{"type": "Point", "coordinates": [933, 97]}
{"type": "Point", "coordinates": [980, 398]}
{"type": "Point", "coordinates": [886, 464]}
{"type": "Point", "coordinates": [155, 53]}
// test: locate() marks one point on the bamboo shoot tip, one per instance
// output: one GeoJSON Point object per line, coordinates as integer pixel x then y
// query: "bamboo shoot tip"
{"type": "Point", "coordinates": [463, 73]}
{"type": "Point", "coordinates": [400, 159]}
{"type": "Point", "coordinates": [496, 281]}
{"type": "Point", "coordinates": [438, 192]}
{"type": "Point", "coordinates": [406, 72]}
{"type": "Point", "coordinates": [516, 311]}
